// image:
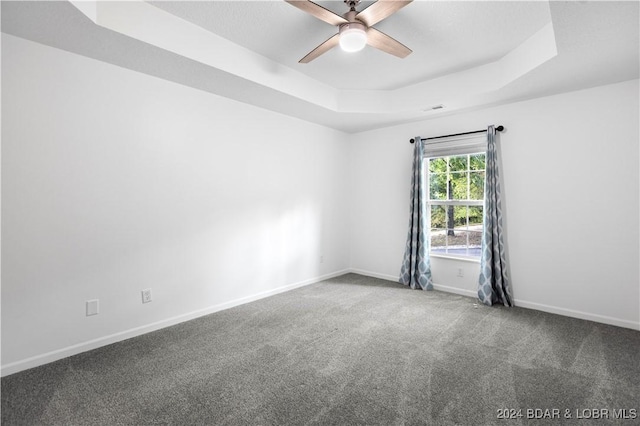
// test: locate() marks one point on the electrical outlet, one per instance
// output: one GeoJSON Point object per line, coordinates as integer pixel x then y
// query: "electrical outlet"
{"type": "Point", "coordinates": [93, 307]}
{"type": "Point", "coordinates": [460, 272]}
{"type": "Point", "coordinates": [146, 295]}
{"type": "Point", "coordinates": [321, 259]}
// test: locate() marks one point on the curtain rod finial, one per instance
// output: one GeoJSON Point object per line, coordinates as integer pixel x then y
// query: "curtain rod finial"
{"type": "Point", "coordinates": [411, 141]}
{"type": "Point", "coordinates": [500, 128]}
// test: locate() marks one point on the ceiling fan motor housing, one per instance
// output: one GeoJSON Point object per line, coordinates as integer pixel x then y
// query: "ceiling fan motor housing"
{"type": "Point", "coordinates": [351, 16]}
{"type": "Point", "coordinates": [352, 26]}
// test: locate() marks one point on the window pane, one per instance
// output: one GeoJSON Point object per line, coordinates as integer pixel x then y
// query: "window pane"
{"type": "Point", "coordinates": [456, 229]}
{"type": "Point", "coordinates": [460, 217]}
{"type": "Point", "coordinates": [438, 240]}
{"type": "Point", "coordinates": [438, 165]}
{"type": "Point", "coordinates": [477, 162]}
{"type": "Point", "coordinates": [458, 164]}
{"type": "Point", "coordinates": [437, 186]}
{"type": "Point", "coordinates": [438, 231]}
{"type": "Point", "coordinates": [476, 185]}
{"type": "Point", "coordinates": [459, 186]}
{"type": "Point", "coordinates": [475, 217]}
{"type": "Point", "coordinates": [457, 244]}
{"type": "Point", "coordinates": [475, 242]}
{"type": "Point", "coordinates": [438, 217]}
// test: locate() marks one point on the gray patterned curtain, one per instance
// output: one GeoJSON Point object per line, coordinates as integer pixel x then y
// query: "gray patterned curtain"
{"type": "Point", "coordinates": [493, 285]}
{"type": "Point", "coordinates": [416, 266]}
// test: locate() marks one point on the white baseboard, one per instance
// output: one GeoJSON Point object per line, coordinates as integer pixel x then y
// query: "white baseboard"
{"type": "Point", "coordinates": [374, 275]}
{"type": "Point", "coordinates": [58, 354]}
{"type": "Point", "coordinates": [520, 303]}
{"type": "Point", "coordinates": [578, 314]}
{"type": "Point", "coordinates": [439, 287]}
{"type": "Point", "coordinates": [455, 290]}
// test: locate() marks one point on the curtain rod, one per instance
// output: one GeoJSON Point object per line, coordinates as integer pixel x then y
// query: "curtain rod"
{"type": "Point", "coordinates": [498, 129]}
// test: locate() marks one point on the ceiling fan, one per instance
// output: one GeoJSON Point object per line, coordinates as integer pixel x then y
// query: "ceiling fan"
{"type": "Point", "coordinates": [355, 29]}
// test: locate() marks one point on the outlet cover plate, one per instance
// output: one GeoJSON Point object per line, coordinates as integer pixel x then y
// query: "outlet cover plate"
{"type": "Point", "coordinates": [93, 307]}
{"type": "Point", "coordinates": [146, 295]}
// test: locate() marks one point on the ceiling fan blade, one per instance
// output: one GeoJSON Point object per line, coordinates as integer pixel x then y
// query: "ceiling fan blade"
{"type": "Point", "coordinates": [318, 11]}
{"type": "Point", "coordinates": [380, 10]}
{"type": "Point", "coordinates": [323, 48]}
{"type": "Point", "coordinates": [381, 41]}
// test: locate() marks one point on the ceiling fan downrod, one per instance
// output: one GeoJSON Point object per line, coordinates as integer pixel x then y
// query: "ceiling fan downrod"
{"type": "Point", "coordinates": [351, 14]}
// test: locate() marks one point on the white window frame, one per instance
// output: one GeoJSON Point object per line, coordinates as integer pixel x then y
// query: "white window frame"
{"type": "Point", "coordinates": [448, 147]}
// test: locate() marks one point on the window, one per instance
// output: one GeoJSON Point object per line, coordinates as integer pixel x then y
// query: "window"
{"type": "Point", "coordinates": [456, 198]}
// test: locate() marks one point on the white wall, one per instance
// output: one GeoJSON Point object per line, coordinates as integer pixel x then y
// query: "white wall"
{"type": "Point", "coordinates": [114, 181]}
{"type": "Point", "coordinates": [571, 195]}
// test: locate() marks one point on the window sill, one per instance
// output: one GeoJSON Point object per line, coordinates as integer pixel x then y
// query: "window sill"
{"type": "Point", "coordinates": [454, 257]}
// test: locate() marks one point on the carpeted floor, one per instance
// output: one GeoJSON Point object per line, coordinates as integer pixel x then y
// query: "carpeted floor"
{"type": "Point", "coordinates": [350, 350]}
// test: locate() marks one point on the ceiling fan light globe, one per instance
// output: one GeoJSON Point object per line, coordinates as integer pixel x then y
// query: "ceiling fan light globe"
{"type": "Point", "coordinates": [353, 39]}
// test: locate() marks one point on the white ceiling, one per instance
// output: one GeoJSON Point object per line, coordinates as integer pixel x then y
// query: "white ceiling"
{"type": "Point", "coordinates": [445, 37]}
{"type": "Point", "coordinates": [465, 54]}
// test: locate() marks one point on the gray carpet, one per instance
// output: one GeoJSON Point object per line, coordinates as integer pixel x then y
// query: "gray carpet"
{"type": "Point", "coordinates": [350, 350]}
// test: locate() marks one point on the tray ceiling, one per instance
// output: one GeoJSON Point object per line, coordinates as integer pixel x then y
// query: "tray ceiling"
{"type": "Point", "coordinates": [465, 54]}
